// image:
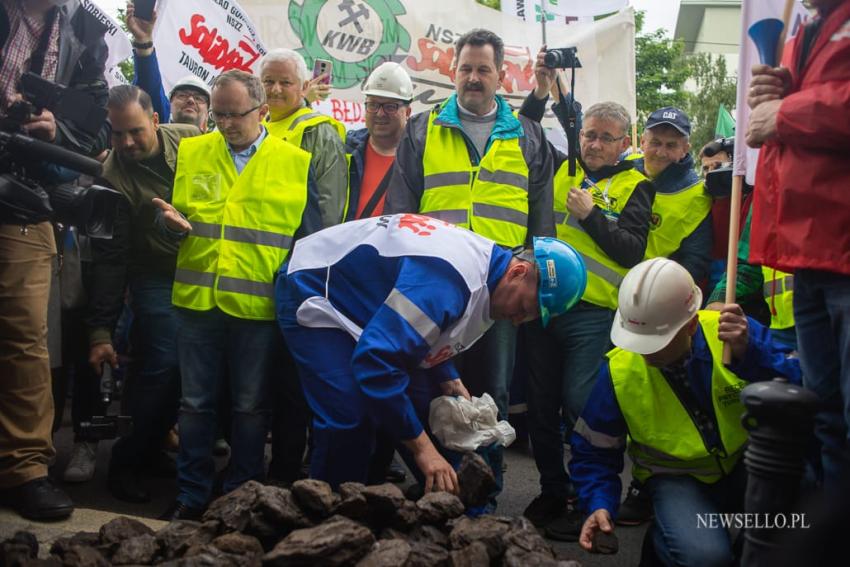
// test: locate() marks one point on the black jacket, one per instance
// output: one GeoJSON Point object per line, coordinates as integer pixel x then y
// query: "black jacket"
{"type": "Point", "coordinates": [81, 66]}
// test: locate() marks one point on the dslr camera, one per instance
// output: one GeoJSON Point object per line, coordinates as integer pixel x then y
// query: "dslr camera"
{"type": "Point", "coordinates": [25, 196]}
{"type": "Point", "coordinates": [561, 58]}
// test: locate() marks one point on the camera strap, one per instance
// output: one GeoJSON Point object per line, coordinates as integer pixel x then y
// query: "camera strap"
{"type": "Point", "coordinates": [37, 59]}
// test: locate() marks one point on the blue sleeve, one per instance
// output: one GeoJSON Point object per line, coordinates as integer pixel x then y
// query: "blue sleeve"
{"type": "Point", "coordinates": [148, 79]}
{"type": "Point", "coordinates": [765, 358]}
{"type": "Point", "coordinates": [597, 446]}
{"type": "Point", "coordinates": [429, 295]}
{"type": "Point", "coordinates": [694, 253]}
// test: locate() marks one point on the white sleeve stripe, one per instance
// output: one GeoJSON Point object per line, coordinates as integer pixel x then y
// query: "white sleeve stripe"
{"type": "Point", "coordinates": [411, 313]}
{"type": "Point", "coordinates": [597, 439]}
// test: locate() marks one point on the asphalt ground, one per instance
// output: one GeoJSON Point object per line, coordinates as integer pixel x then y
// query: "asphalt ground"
{"type": "Point", "coordinates": [95, 505]}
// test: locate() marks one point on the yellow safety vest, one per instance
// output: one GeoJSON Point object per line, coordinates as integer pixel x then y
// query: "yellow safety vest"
{"type": "Point", "coordinates": [779, 295]}
{"type": "Point", "coordinates": [242, 224]}
{"type": "Point", "coordinates": [663, 438]}
{"type": "Point", "coordinates": [674, 217]}
{"type": "Point", "coordinates": [293, 126]}
{"type": "Point", "coordinates": [489, 198]}
{"type": "Point", "coordinates": [603, 274]}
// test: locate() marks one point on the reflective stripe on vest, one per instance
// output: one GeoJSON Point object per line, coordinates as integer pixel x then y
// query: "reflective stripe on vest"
{"type": "Point", "coordinates": [490, 198]}
{"type": "Point", "coordinates": [668, 441]}
{"type": "Point", "coordinates": [674, 217]}
{"type": "Point", "coordinates": [291, 128]}
{"type": "Point", "coordinates": [779, 295]}
{"type": "Point", "coordinates": [242, 224]}
{"type": "Point", "coordinates": [604, 275]}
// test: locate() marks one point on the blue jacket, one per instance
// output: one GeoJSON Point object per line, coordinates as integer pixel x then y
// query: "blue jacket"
{"type": "Point", "coordinates": [148, 78]}
{"type": "Point", "coordinates": [358, 285]}
{"type": "Point", "coordinates": [694, 253]}
{"type": "Point", "coordinates": [595, 470]}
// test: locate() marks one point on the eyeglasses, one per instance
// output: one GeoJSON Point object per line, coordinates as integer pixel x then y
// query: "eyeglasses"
{"type": "Point", "coordinates": [604, 138]}
{"type": "Point", "coordinates": [390, 108]}
{"type": "Point", "coordinates": [183, 96]}
{"type": "Point", "coordinates": [219, 116]}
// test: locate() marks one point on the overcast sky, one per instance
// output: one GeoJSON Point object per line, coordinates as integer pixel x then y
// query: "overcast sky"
{"type": "Point", "coordinates": [659, 13]}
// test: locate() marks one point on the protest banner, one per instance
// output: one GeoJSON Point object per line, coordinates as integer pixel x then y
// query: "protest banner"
{"type": "Point", "coordinates": [205, 38]}
{"type": "Point", "coordinates": [117, 43]}
{"type": "Point", "coordinates": [358, 35]}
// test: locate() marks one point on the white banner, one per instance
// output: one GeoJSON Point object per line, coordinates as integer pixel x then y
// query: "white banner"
{"type": "Point", "coordinates": [753, 11]}
{"type": "Point", "coordinates": [584, 7]}
{"type": "Point", "coordinates": [204, 38]}
{"type": "Point", "coordinates": [358, 35]}
{"type": "Point", "coordinates": [117, 43]}
{"type": "Point", "coordinates": [530, 11]}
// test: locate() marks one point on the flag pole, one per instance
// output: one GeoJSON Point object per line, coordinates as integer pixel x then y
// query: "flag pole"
{"type": "Point", "coordinates": [735, 199]}
{"type": "Point", "coordinates": [543, 20]}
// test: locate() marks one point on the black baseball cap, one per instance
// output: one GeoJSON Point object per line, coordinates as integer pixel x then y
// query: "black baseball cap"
{"type": "Point", "coordinates": [671, 115]}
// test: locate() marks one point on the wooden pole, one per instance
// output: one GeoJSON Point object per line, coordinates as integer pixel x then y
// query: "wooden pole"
{"type": "Point", "coordinates": [783, 36]}
{"type": "Point", "coordinates": [732, 251]}
{"type": "Point", "coordinates": [634, 137]}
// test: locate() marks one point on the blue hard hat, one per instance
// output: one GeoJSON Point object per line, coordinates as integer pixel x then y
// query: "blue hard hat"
{"type": "Point", "coordinates": [562, 276]}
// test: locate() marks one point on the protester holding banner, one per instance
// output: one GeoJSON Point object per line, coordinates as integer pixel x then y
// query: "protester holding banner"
{"type": "Point", "coordinates": [604, 211]}
{"type": "Point", "coordinates": [486, 170]}
{"type": "Point", "coordinates": [286, 78]}
{"type": "Point", "coordinates": [141, 167]}
{"type": "Point", "coordinates": [801, 208]}
{"type": "Point", "coordinates": [188, 101]}
{"type": "Point", "coordinates": [247, 197]}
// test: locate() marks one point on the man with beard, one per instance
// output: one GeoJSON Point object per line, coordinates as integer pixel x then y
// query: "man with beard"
{"type": "Point", "coordinates": [141, 167]}
{"type": "Point", "coordinates": [188, 102]}
{"type": "Point", "coordinates": [471, 162]}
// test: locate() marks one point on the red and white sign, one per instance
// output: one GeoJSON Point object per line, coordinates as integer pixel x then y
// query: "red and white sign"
{"type": "Point", "coordinates": [204, 38]}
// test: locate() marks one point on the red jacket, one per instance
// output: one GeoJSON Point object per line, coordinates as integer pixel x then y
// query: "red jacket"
{"type": "Point", "coordinates": [801, 210]}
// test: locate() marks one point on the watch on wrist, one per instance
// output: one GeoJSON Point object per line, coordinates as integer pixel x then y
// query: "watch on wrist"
{"type": "Point", "coordinates": [144, 45]}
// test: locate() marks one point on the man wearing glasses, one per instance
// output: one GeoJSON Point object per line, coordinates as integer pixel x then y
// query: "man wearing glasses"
{"type": "Point", "coordinates": [388, 92]}
{"type": "Point", "coordinates": [241, 199]}
{"type": "Point", "coordinates": [603, 211]}
{"type": "Point", "coordinates": [189, 99]}
{"type": "Point", "coordinates": [473, 163]}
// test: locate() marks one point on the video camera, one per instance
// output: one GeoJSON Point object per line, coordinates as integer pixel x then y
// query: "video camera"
{"type": "Point", "coordinates": [24, 197]}
{"type": "Point", "coordinates": [561, 58]}
{"type": "Point", "coordinates": [104, 427]}
{"type": "Point", "coordinates": [727, 145]}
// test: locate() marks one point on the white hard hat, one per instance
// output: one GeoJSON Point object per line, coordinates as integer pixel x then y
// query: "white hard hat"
{"type": "Point", "coordinates": [389, 80]}
{"type": "Point", "coordinates": [657, 298]}
{"type": "Point", "coordinates": [190, 82]}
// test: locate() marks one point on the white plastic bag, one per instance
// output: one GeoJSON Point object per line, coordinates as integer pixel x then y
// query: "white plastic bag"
{"type": "Point", "coordinates": [464, 425]}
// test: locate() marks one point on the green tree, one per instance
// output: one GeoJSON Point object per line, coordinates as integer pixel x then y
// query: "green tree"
{"type": "Point", "coordinates": [661, 70]}
{"type": "Point", "coordinates": [127, 68]}
{"type": "Point", "coordinates": [713, 87]}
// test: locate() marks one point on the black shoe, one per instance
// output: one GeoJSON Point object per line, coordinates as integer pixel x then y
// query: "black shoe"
{"type": "Point", "coordinates": [38, 499]}
{"type": "Point", "coordinates": [160, 465]}
{"type": "Point", "coordinates": [125, 484]}
{"type": "Point", "coordinates": [395, 472]}
{"type": "Point", "coordinates": [565, 527]}
{"type": "Point", "coordinates": [180, 511]}
{"type": "Point", "coordinates": [544, 509]}
{"type": "Point", "coordinates": [636, 508]}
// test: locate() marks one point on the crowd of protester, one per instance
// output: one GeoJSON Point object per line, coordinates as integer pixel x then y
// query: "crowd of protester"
{"type": "Point", "coordinates": [227, 335]}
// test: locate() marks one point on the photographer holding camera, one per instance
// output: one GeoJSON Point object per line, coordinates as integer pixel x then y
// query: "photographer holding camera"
{"type": "Point", "coordinates": [62, 43]}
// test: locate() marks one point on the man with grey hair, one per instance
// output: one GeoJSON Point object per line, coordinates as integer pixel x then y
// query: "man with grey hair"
{"type": "Point", "coordinates": [285, 79]}
{"type": "Point", "coordinates": [241, 199]}
{"type": "Point", "coordinates": [603, 210]}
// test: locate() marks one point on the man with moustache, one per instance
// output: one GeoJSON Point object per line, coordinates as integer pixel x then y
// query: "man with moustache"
{"type": "Point", "coordinates": [470, 161]}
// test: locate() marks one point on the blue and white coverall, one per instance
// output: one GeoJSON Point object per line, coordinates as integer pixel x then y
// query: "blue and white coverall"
{"type": "Point", "coordinates": [372, 311]}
